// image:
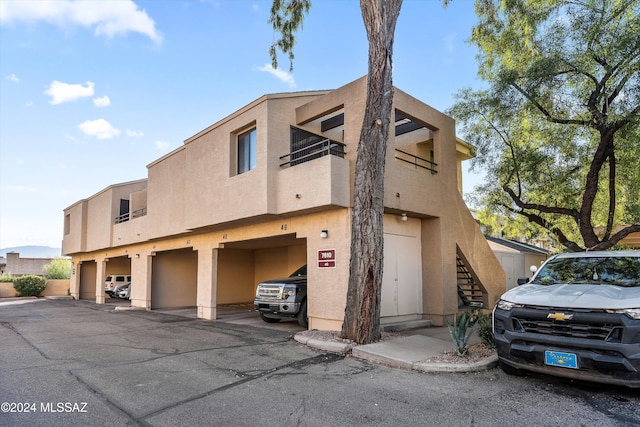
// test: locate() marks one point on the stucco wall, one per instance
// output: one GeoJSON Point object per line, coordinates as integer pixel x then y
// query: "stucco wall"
{"type": "Point", "coordinates": [54, 288]}
{"type": "Point", "coordinates": [235, 276]}
{"type": "Point", "coordinates": [21, 266]}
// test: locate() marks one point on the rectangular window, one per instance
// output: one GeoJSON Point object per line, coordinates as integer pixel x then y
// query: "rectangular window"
{"type": "Point", "coordinates": [67, 224]}
{"type": "Point", "coordinates": [246, 151]}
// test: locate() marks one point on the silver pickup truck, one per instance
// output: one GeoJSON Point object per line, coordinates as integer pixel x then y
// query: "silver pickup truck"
{"type": "Point", "coordinates": [283, 298]}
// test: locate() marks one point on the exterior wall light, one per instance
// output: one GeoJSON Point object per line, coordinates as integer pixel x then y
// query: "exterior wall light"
{"type": "Point", "coordinates": [324, 234]}
{"type": "Point", "coordinates": [404, 217]}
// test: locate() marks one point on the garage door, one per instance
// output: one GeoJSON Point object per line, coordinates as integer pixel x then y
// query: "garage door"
{"type": "Point", "coordinates": [401, 290]}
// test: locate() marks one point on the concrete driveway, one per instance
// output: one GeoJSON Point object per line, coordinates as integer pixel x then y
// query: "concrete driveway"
{"type": "Point", "coordinates": [77, 363]}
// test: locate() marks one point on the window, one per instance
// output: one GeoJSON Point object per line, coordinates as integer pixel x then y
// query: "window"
{"type": "Point", "coordinates": [246, 151]}
{"type": "Point", "coordinates": [67, 224]}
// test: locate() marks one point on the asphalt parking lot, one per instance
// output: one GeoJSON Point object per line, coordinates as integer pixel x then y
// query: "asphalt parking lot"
{"type": "Point", "coordinates": [77, 363]}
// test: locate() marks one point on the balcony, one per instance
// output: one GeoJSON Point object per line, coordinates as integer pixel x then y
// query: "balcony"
{"type": "Point", "coordinates": [416, 161]}
{"type": "Point", "coordinates": [129, 215]}
{"type": "Point", "coordinates": [307, 146]}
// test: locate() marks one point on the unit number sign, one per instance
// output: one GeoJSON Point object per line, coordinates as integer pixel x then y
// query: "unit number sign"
{"type": "Point", "coordinates": [326, 258]}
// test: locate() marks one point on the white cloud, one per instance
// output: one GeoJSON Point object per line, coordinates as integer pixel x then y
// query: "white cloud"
{"type": "Point", "coordinates": [12, 77]}
{"type": "Point", "coordinates": [70, 137]}
{"type": "Point", "coordinates": [107, 18]}
{"type": "Point", "coordinates": [214, 3]}
{"type": "Point", "coordinates": [162, 145]}
{"type": "Point", "coordinates": [134, 134]}
{"type": "Point", "coordinates": [64, 92]}
{"type": "Point", "coordinates": [450, 42]}
{"type": "Point", "coordinates": [283, 76]}
{"type": "Point", "coordinates": [28, 104]}
{"type": "Point", "coordinates": [103, 101]}
{"type": "Point", "coordinates": [21, 189]}
{"type": "Point", "coordinates": [100, 128]}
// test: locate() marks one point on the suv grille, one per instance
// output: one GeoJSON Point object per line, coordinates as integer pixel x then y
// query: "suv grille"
{"type": "Point", "coordinates": [591, 331]}
{"type": "Point", "coordinates": [588, 325]}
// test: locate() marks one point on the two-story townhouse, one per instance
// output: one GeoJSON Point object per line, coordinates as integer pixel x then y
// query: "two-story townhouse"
{"type": "Point", "coordinates": [270, 188]}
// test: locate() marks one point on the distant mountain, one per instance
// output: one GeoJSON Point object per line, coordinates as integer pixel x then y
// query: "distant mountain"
{"type": "Point", "coordinates": [33, 251]}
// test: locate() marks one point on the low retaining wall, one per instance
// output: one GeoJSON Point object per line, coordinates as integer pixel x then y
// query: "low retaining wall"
{"type": "Point", "coordinates": [54, 288]}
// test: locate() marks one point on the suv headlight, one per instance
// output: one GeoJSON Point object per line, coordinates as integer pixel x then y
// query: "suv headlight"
{"type": "Point", "coordinates": [288, 291]}
{"type": "Point", "coordinates": [506, 305]}
{"type": "Point", "coordinates": [632, 313]}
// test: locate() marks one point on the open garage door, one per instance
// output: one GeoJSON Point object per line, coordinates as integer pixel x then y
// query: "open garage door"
{"type": "Point", "coordinates": [119, 270]}
{"type": "Point", "coordinates": [174, 279]}
{"type": "Point", "coordinates": [242, 265]}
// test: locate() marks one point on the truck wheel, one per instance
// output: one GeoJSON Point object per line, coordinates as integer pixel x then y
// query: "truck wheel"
{"type": "Point", "coordinates": [303, 320]}
{"type": "Point", "coordinates": [268, 319]}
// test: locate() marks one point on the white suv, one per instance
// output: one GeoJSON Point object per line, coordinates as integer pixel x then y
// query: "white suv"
{"type": "Point", "coordinates": [115, 282]}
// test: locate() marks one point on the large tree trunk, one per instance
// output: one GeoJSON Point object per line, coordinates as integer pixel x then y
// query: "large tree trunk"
{"type": "Point", "coordinates": [362, 313]}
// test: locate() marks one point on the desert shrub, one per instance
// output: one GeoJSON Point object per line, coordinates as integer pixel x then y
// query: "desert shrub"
{"type": "Point", "coordinates": [482, 319]}
{"type": "Point", "coordinates": [7, 278]}
{"type": "Point", "coordinates": [58, 268]}
{"type": "Point", "coordinates": [462, 330]}
{"type": "Point", "coordinates": [29, 286]}
{"type": "Point", "coordinates": [485, 330]}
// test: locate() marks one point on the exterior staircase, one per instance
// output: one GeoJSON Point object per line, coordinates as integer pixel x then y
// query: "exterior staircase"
{"type": "Point", "coordinates": [469, 293]}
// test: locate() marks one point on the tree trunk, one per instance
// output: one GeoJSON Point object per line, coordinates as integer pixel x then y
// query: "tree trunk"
{"type": "Point", "coordinates": [362, 312]}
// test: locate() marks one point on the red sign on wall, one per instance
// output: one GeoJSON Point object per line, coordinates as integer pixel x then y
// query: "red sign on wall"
{"type": "Point", "coordinates": [327, 258]}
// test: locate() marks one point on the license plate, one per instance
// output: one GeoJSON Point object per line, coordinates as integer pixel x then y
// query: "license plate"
{"type": "Point", "coordinates": [559, 358]}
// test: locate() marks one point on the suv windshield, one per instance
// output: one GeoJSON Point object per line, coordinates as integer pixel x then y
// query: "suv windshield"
{"type": "Point", "coordinates": [617, 271]}
{"type": "Point", "coordinates": [302, 271]}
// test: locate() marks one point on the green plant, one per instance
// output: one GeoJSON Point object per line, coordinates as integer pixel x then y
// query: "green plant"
{"type": "Point", "coordinates": [7, 278]}
{"type": "Point", "coordinates": [461, 331]}
{"type": "Point", "coordinates": [58, 268]}
{"type": "Point", "coordinates": [485, 329]}
{"type": "Point", "coordinates": [30, 285]}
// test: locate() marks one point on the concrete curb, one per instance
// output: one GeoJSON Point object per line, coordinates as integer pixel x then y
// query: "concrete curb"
{"type": "Point", "coordinates": [128, 308]}
{"type": "Point", "coordinates": [331, 346]}
{"type": "Point", "coordinates": [482, 365]}
{"type": "Point", "coordinates": [404, 353]}
{"type": "Point", "coordinates": [58, 297]}
{"type": "Point", "coordinates": [3, 299]}
{"type": "Point", "coordinates": [382, 359]}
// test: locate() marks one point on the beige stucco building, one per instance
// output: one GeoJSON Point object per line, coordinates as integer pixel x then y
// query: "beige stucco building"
{"type": "Point", "coordinates": [249, 197]}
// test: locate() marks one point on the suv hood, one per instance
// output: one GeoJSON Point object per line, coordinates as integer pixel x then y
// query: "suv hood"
{"type": "Point", "coordinates": [297, 280]}
{"type": "Point", "coordinates": [576, 296]}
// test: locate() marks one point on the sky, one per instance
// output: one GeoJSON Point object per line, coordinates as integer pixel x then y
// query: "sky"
{"type": "Point", "coordinates": [93, 91]}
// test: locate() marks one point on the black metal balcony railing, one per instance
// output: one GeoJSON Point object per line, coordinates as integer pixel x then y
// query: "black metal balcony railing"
{"type": "Point", "coordinates": [128, 215]}
{"type": "Point", "coordinates": [313, 151]}
{"type": "Point", "coordinates": [416, 161]}
{"type": "Point", "coordinates": [139, 212]}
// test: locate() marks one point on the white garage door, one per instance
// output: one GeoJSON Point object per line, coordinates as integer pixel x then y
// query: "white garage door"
{"type": "Point", "coordinates": [401, 290]}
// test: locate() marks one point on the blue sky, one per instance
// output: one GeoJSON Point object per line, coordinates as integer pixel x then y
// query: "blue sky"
{"type": "Point", "coordinates": [91, 92]}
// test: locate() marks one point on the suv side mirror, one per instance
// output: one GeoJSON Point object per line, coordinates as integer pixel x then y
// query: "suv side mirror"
{"type": "Point", "coordinates": [522, 280]}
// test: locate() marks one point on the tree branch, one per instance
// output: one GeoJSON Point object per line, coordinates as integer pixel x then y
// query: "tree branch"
{"type": "Point", "coordinates": [572, 213]}
{"type": "Point", "coordinates": [545, 112]}
{"type": "Point", "coordinates": [537, 219]}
